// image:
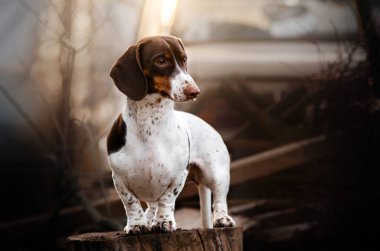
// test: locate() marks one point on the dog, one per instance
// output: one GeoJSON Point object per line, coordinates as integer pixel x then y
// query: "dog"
{"type": "Point", "coordinates": [153, 148]}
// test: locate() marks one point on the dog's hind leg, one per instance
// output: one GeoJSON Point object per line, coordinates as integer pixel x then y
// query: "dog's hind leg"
{"type": "Point", "coordinates": [205, 204]}
{"type": "Point", "coordinates": [219, 188]}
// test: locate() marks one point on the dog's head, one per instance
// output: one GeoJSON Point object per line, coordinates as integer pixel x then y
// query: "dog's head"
{"type": "Point", "coordinates": [155, 65]}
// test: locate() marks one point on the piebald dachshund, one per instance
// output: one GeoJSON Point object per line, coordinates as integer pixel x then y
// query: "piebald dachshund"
{"type": "Point", "coordinates": [153, 148]}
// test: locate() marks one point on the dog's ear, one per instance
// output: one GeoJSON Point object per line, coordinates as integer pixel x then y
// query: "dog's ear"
{"type": "Point", "coordinates": [128, 75]}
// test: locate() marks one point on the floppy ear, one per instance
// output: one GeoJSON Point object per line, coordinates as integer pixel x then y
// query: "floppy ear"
{"type": "Point", "coordinates": [128, 74]}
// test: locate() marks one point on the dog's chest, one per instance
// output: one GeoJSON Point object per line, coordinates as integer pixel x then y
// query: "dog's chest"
{"type": "Point", "coordinates": [149, 165]}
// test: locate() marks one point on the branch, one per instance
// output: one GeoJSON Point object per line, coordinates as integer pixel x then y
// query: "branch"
{"type": "Point", "coordinates": [37, 16]}
{"type": "Point", "coordinates": [26, 117]}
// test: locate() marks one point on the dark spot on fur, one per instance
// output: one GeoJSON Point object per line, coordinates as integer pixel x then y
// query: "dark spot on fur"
{"type": "Point", "coordinates": [175, 192]}
{"type": "Point", "coordinates": [117, 135]}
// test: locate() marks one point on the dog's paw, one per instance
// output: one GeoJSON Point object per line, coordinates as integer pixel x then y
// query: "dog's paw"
{"type": "Point", "coordinates": [136, 229]}
{"type": "Point", "coordinates": [225, 221]}
{"type": "Point", "coordinates": [165, 226]}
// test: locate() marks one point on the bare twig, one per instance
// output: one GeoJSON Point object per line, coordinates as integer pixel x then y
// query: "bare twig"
{"type": "Point", "coordinates": [26, 117]}
{"type": "Point", "coordinates": [47, 104]}
{"type": "Point", "coordinates": [37, 16]}
{"type": "Point", "coordinates": [62, 120]}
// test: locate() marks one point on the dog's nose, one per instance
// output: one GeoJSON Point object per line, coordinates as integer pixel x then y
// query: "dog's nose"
{"type": "Point", "coordinates": [191, 91]}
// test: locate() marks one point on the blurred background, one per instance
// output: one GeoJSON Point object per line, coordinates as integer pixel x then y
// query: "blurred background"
{"type": "Point", "coordinates": [292, 86]}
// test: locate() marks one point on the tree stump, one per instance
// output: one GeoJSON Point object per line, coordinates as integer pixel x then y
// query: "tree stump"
{"type": "Point", "coordinates": [192, 240]}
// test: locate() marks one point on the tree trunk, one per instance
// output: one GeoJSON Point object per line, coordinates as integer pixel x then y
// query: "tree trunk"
{"type": "Point", "coordinates": [192, 240]}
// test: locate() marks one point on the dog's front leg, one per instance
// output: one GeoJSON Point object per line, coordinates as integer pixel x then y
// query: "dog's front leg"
{"type": "Point", "coordinates": [150, 212]}
{"type": "Point", "coordinates": [137, 222]}
{"type": "Point", "coordinates": [163, 220]}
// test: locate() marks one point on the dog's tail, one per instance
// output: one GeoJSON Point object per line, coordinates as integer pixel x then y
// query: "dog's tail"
{"type": "Point", "coordinates": [205, 202]}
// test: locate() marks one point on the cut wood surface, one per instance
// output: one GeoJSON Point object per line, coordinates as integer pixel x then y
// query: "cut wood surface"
{"type": "Point", "coordinates": [196, 239]}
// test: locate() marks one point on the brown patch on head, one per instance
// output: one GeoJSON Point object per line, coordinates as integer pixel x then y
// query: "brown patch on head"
{"type": "Point", "coordinates": [160, 57]}
{"type": "Point", "coordinates": [147, 66]}
{"type": "Point", "coordinates": [178, 50]}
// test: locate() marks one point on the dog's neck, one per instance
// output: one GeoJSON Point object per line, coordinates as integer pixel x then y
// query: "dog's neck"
{"type": "Point", "coordinates": [149, 115]}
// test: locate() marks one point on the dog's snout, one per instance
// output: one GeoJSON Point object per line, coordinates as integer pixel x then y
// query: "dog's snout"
{"type": "Point", "coordinates": [191, 91]}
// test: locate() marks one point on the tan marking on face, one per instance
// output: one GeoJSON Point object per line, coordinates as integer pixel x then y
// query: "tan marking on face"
{"type": "Point", "coordinates": [162, 84]}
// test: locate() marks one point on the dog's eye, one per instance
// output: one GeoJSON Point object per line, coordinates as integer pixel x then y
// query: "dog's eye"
{"type": "Point", "coordinates": [161, 61]}
{"type": "Point", "coordinates": [184, 59]}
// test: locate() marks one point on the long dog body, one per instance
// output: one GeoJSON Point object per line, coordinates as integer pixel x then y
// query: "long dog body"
{"type": "Point", "coordinates": [152, 148]}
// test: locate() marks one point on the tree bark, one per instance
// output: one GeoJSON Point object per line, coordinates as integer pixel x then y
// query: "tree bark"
{"type": "Point", "coordinates": [194, 240]}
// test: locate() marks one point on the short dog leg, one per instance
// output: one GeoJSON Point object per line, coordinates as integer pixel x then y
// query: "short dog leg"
{"type": "Point", "coordinates": [151, 212]}
{"type": "Point", "coordinates": [164, 219]}
{"type": "Point", "coordinates": [221, 217]}
{"type": "Point", "coordinates": [137, 222]}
